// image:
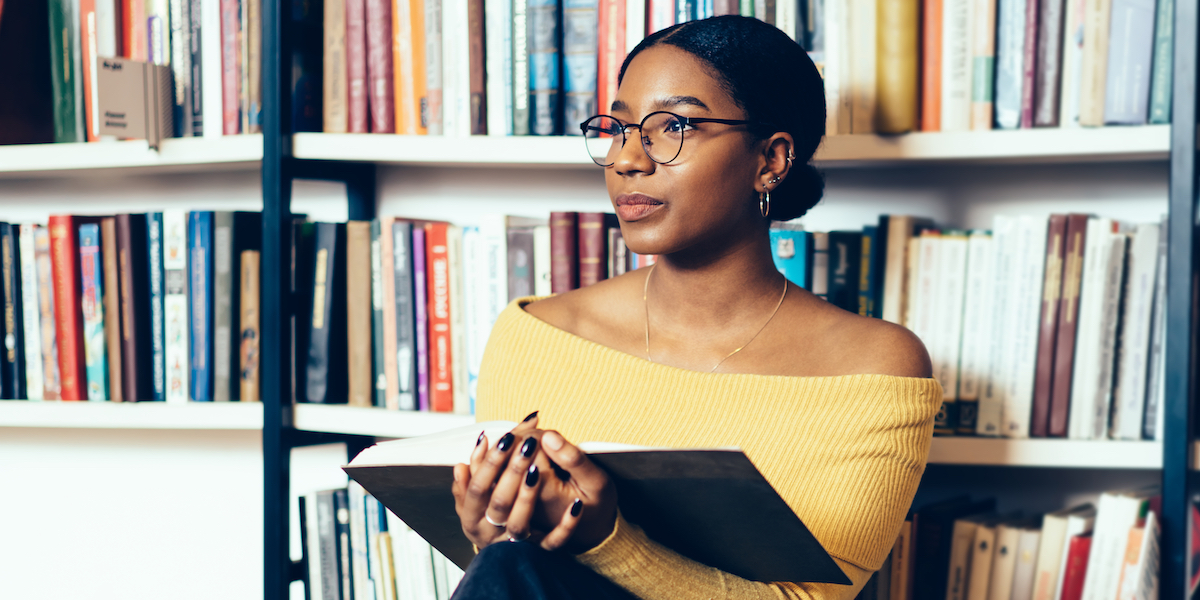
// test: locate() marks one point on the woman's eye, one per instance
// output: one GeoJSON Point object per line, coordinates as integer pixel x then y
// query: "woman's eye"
{"type": "Point", "coordinates": [676, 126]}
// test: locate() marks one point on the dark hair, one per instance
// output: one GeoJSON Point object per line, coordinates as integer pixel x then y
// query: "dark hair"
{"type": "Point", "coordinates": [771, 78]}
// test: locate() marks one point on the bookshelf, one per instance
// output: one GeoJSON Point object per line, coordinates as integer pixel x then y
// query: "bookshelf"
{"type": "Point", "coordinates": [131, 157]}
{"type": "Point", "coordinates": [123, 415]}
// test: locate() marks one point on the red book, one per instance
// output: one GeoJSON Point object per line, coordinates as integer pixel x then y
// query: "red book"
{"type": "Point", "coordinates": [231, 67]}
{"type": "Point", "coordinates": [1029, 77]}
{"type": "Point", "coordinates": [592, 255]}
{"type": "Point", "coordinates": [437, 268]}
{"type": "Point", "coordinates": [1076, 568]}
{"type": "Point", "coordinates": [135, 38]}
{"type": "Point", "coordinates": [356, 66]}
{"type": "Point", "coordinates": [87, 30]}
{"type": "Point", "coordinates": [1068, 324]}
{"type": "Point", "coordinates": [931, 65]}
{"type": "Point", "coordinates": [478, 77]}
{"type": "Point", "coordinates": [612, 51]}
{"type": "Point", "coordinates": [1048, 326]}
{"type": "Point", "coordinates": [68, 310]}
{"type": "Point", "coordinates": [379, 66]}
{"type": "Point", "coordinates": [564, 264]}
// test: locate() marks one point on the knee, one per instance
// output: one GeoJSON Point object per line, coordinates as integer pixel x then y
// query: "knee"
{"type": "Point", "coordinates": [509, 555]}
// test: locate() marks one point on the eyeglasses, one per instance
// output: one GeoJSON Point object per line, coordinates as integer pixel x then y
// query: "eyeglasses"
{"type": "Point", "coordinates": [662, 134]}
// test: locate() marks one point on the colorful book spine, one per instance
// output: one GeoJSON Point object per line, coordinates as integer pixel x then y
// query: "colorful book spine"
{"type": "Point", "coordinates": [459, 369]}
{"type": "Point", "coordinates": [248, 351]}
{"type": "Point", "coordinates": [387, 340]}
{"type": "Point", "coordinates": [12, 363]}
{"type": "Point", "coordinates": [200, 304]}
{"type": "Point", "coordinates": [662, 14]}
{"type": "Point", "coordinates": [87, 46]}
{"type": "Point", "coordinates": [519, 88]}
{"type": "Point", "coordinates": [591, 253]}
{"type": "Point", "coordinates": [612, 46]}
{"type": "Point", "coordinates": [956, 65]}
{"type": "Point", "coordinates": [433, 66]}
{"type": "Point", "coordinates": [181, 65]}
{"type": "Point", "coordinates": [65, 75]}
{"type": "Point", "coordinates": [983, 63]}
{"type": "Point", "coordinates": [545, 111]}
{"type": "Point", "coordinates": [112, 308]}
{"type": "Point", "coordinates": [1094, 62]}
{"type": "Point", "coordinates": [252, 67]}
{"type": "Point", "coordinates": [790, 249]}
{"type": "Point", "coordinates": [1048, 328]}
{"type": "Point", "coordinates": [896, 78]}
{"type": "Point", "coordinates": [158, 349]}
{"type": "Point", "coordinates": [931, 65]}
{"type": "Point", "coordinates": [685, 10]}
{"type": "Point", "coordinates": [176, 323]}
{"type": "Point", "coordinates": [68, 316]}
{"type": "Point", "coordinates": [405, 352]}
{"type": "Point", "coordinates": [358, 119]}
{"type": "Point", "coordinates": [408, 67]}
{"type": "Point", "coordinates": [1068, 324]}
{"type": "Point", "coordinates": [52, 388]}
{"type": "Point", "coordinates": [580, 52]}
{"type": "Point", "coordinates": [158, 31]}
{"type": "Point", "coordinates": [866, 300]}
{"type": "Point", "coordinates": [1160, 80]}
{"type": "Point", "coordinates": [421, 316]}
{"type": "Point", "coordinates": [441, 382]}
{"type": "Point", "coordinates": [230, 68]}
{"type": "Point", "coordinates": [379, 355]}
{"type": "Point", "coordinates": [136, 43]}
{"type": "Point", "coordinates": [91, 274]}
{"type": "Point", "coordinates": [31, 314]}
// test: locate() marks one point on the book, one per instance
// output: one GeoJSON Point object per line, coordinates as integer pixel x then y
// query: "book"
{"type": "Point", "coordinates": [1072, 64]}
{"type": "Point", "coordinates": [983, 63]}
{"type": "Point", "coordinates": [441, 384]}
{"type": "Point", "coordinates": [1129, 392]}
{"type": "Point", "coordinates": [900, 228]}
{"type": "Point", "coordinates": [12, 363]}
{"type": "Point", "coordinates": [1076, 567]}
{"type": "Point", "coordinates": [335, 98]}
{"type": "Point", "coordinates": [66, 78]}
{"type": "Point", "coordinates": [1057, 529]}
{"type": "Point", "coordinates": [1049, 63]}
{"type": "Point", "coordinates": [157, 277]}
{"type": "Point", "coordinates": [1010, 62]}
{"type": "Point", "coordinates": [357, 118]}
{"type": "Point", "coordinates": [520, 67]}
{"type": "Point", "coordinates": [230, 66]}
{"type": "Point", "coordinates": [791, 250]}
{"type": "Point", "coordinates": [91, 273]}
{"type": "Point", "coordinates": [325, 367]}
{"type": "Point", "coordinates": [820, 265]}
{"type": "Point", "coordinates": [68, 312]}
{"type": "Point", "coordinates": [498, 34]}
{"type": "Point", "coordinates": [459, 363]}
{"type": "Point", "coordinates": [1153, 419]}
{"type": "Point", "coordinates": [476, 83]}
{"type": "Point", "coordinates": [404, 254]}
{"type": "Point", "coordinates": [962, 543]}
{"type": "Point", "coordinates": [931, 65]}
{"type": "Point", "coordinates": [1048, 329]}
{"type": "Point", "coordinates": [591, 253]}
{"type": "Point", "coordinates": [976, 329]}
{"type": "Point", "coordinates": [934, 534]}
{"type": "Point", "coordinates": [249, 349]}
{"type": "Point", "coordinates": [861, 34]}
{"type": "Point", "coordinates": [88, 51]}
{"type": "Point", "coordinates": [383, 291]}
{"type": "Point", "coordinates": [983, 550]}
{"type": "Point", "coordinates": [359, 313]}
{"type": "Point", "coordinates": [136, 352]}
{"type": "Point", "coordinates": [950, 297]}
{"type": "Point", "coordinates": [902, 562]}
{"type": "Point", "coordinates": [1103, 270]}
{"type": "Point", "coordinates": [1004, 561]}
{"type": "Point", "coordinates": [615, 31]}
{"type": "Point", "coordinates": [380, 85]}
{"type": "Point", "coordinates": [35, 382]}
{"type": "Point", "coordinates": [200, 305]}
{"type": "Point", "coordinates": [1162, 62]}
{"type": "Point", "coordinates": [760, 538]}
{"type": "Point", "coordinates": [135, 43]}
{"type": "Point", "coordinates": [956, 65]}
{"type": "Point", "coordinates": [1025, 570]}
{"type": "Point", "coordinates": [112, 307]}
{"type": "Point", "coordinates": [564, 265]}
{"type": "Point", "coordinates": [1094, 58]}
{"type": "Point", "coordinates": [545, 109]}
{"type": "Point", "coordinates": [1130, 48]}
{"type": "Point", "coordinates": [1029, 62]}
{"type": "Point", "coordinates": [580, 58]}
{"type": "Point", "coordinates": [845, 261]}
{"type": "Point", "coordinates": [1116, 514]}
{"type": "Point", "coordinates": [52, 387]}
{"type": "Point", "coordinates": [421, 315]}
{"type": "Point", "coordinates": [1140, 568]}
{"type": "Point", "coordinates": [896, 77]}
{"type": "Point", "coordinates": [379, 354]}
{"type": "Point", "coordinates": [408, 67]}
{"type": "Point", "coordinates": [176, 323]}
{"type": "Point", "coordinates": [1068, 324]}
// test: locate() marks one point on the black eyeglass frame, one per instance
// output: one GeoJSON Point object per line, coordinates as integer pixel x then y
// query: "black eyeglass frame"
{"type": "Point", "coordinates": [583, 127]}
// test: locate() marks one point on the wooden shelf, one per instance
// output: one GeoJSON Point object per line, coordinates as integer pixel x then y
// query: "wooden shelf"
{"type": "Point", "coordinates": [131, 415]}
{"type": "Point", "coordinates": [1086, 454]}
{"type": "Point", "coordinates": [235, 152]}
{"type": "Point", "coordinates": [1028, 146]}
{"type": "Point", "coordinates": [373, 421]}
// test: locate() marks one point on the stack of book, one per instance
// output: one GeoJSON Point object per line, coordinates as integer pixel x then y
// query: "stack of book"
{"type": "Point", "coordinates": [960, 549]}
{"type": "Point", "coordinates": [355, 549]}
{"type": "Point", "coordinates": [1040, 327]}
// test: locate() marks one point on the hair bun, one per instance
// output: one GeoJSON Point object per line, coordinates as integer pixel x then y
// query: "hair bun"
{"type": "Point", "coordinates": [801, 191]}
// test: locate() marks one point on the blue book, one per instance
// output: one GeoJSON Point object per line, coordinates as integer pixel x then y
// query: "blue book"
{"type": "Point", "coordinates": [685, 10]}
{"type": "Point", "coordinates": [1010, 62]}
{"type": "Point", "coordinates": [545, 112]}
{"type": "Point", "coordinates": [580, 52]}
{"type": "Point", "coordinates": [158, 348]}
{"type": "Point", "coordinates": [91, 277]}
{"type": "Point", "coordinates": [200, 303]}
{"type": "Point", "coordinates": [791, 249]}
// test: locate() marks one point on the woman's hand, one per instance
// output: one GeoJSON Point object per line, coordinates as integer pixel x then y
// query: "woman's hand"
{"type": "Point", "coordinates": [580, 491]}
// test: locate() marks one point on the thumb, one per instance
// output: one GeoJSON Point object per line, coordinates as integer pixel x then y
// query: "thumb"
{"type": "Point", "coordinates": [587, 475]}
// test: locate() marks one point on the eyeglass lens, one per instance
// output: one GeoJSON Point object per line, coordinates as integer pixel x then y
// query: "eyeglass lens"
{"type": "Point", "coordinates": [661, 135]}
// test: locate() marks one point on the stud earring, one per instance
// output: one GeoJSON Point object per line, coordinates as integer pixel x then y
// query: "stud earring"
{"type": "Point", "coordinates": [774, 180]}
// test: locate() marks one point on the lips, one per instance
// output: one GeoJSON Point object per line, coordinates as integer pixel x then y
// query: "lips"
{"type": "Point", "coordinates": [632, 207]}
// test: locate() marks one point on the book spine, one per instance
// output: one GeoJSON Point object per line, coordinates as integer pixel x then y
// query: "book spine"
{"type": "Point", "coordinates": [977, 330]}
{"type": "Point", "coordinates": [35, 387]}
{"type": "Point", "coordinates": [403, 301]}
{"type": "Point", "coordinates": [460, 377]}
{"type": "Point", "coordinates": [497, 41]}
{"type": "Point", "coordinates": [433, 66]}
{"type": "Point", "coordinates": [931, 65]}
{"type": "Point", "coordinates": [441, 384]}
{"type": "Point", "coordinates": [65, 72]}
{"type": "Point", "coordinates": [223, 282]}
{"type": "Point", "coordinates": [253, 67]}
{"type": "Point", "coordinates": [68, 315]}
{"type": "Point", "coordinates": [195, 75]}
{"type": "Point", "coordinates": [591, 250]}
{"type": "Point", "coordinates": [564, 266]}
{"type": "Point", "coordinates": [1163, 62]}
{"type": "Point", "coordinates": [618, 253]}
{"type": "Point", "coordinates": [580, 62]}
{"type": "Point", "coordinates": [176, 318]}
{"type": "Point", "coordinates": [359, 311]}
{"type": "Point", "coordinates": [819, 259]}
{"type": "Point", "coordinates": [545, 111]}
{"type": "Point", "coordinates": [956, 65]}
{"type": "Point", "coordinates": [1105, 395]}
{"type": "Point", "coordinates": [230, 68]}
{"type": "Point", "coordinates": [1155, 384]}
{"type": "Point", "coordinates": [388, 298]}
{"type": "Point", "coordinates": [1010, 62]}
{"type": "Point", "coordinates": [543, 260]}
{"type": "Point", "coordinates": [1076, 567]}
{"type": "Point", "coordinates": [112, 309]}
{"type": "Point", "coordinates": [1048, 76]}
{"type": "Point", "coordinates": [135, 314]}
{"type": "Point", "coordinates": [250, 334]}
{"type": "Point", "coordinates": [1072, 64]}
{"type": "Point", "coordinates": [421, 315]}
{"type": "Point", "coordinates": [660, 14]}
{"type": "Point", "coordinates": [951, 297]}
{"type": "Point", "coordinates": [323, 368]}
{"type": "Point", "coordinates": [477, 85]}
{"type": "Point", "coordinates": [87, 45]}
{"type": "Point", "coordinates": [1029, 62]}
{"type": "Point", "coordinates": [135, 41]}
{"type": "Point", "coordinates": [12, 368]}
{"type": "Point", "coordinates": [983, 63]}
{"type": "Point", "coordinates": [896, 76]}
{"type": "Point", "coordinates": [335, 64]}
{"type": "Point", "coordinates": [1048, 326]}
{"type": "Point", "coordinates": [491, 297]}
{"type": "Point", "coordinates": [213, 74]}
{"type": "Point", "coordinates": [995, 388]}
{"type": "Point", "coordinates": [407, 112]}
{"type": "Point", "coordinates": [1068, 324]}
{"type": "Point", "coordinates": [327, 547]}
{"type": "Point", "coordinates": [158, 32]}
{"type": "Point", "coordinates": [154, 231]}
{"type": "Point", "coordinates": [1130, 393]}
{"type": "Point", "coordinates": [612, 43]}
{"type": "Point", "coordinates": [455, 65]}
{"type": "Point", "coordinates": [1019, 404]}
{"type": "Point", "coordinates": [357, 92]}
{"type": "Point", "coordinates": [378, 354]}
{"type": "Point", "coordinates": [520, 67]}
{"type": "Point", "coordinates": [791, 250]}
{"type": "Point", "coordinates": [521, 270]}
{"type": "Point", "coordinates": [52, 387]}
{"type": "Point", "coordinates": [845, 251]}
{"type": "Point", "coordinates": [1093, 78]}
{"type": "Point", "coordinates": [1130, 49]}
{"type": "Point", "coordinates": [200, 304]}
{"type": "Point", "coordinates": [865, 270]}
{"type": "Point", "coordinates": [862, 33]}
{"type": "Point", "coordinates": [91, 271]}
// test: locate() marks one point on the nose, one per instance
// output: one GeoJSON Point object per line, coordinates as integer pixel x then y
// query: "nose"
{"type": "Point", "coordinates": [632, 157]}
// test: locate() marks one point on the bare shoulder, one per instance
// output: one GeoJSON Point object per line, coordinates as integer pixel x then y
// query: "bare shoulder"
{"type": "Point", "coordinates": [598, 312]}
{"type": "Point", "coordinates": [886, 348]}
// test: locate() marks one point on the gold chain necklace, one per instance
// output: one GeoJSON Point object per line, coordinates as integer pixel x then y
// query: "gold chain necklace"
{"type": "Point", "coordinates": [646, 305]}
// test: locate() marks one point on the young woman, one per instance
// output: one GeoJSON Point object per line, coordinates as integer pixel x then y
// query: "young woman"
{"type": "Point", "coordinates": [712, 130]}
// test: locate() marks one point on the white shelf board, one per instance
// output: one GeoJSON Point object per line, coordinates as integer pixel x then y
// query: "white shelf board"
{"type": "Point", "coordinates": [228, 152]}
{"type": "Point", "coordinates": [1107, 144]}
{"type": "Point", "coordinates": [1088, 454]}
{"type": "Point", "coordinates": [377, 422]}
{"type": "Point", "coordinates": [131, 415]}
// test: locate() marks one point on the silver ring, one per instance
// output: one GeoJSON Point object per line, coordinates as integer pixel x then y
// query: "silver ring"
{"type": "Point", "coordinates": [489, 520]}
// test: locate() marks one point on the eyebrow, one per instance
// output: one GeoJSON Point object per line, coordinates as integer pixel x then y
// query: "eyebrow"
{"type": "Point", "coordinates": [665, 103]}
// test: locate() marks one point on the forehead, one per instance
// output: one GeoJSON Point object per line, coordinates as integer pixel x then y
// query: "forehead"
{"type": "Point", "coordinates": [658, 77]}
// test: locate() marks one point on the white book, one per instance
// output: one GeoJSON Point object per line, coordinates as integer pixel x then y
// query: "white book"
{"type": "Point", "coordinates": [1072, 60]}
{"type": "Point", "coordinates": [441, 583]}
{"type": "Point", "coordinates": [1050, 551]}
{"type": "Point", "coordinates": [924, 298]}
{"type": "Point", "coordinates": [820, 264]}
{"type": "Point", "coordinates": [1098, 381]}
{"type": "Point", "coordinates": [433, 66]}
{"type": "Point", "coordinates": [1129, 396]}
{"type": "Point", "coordinates": [453, 574]}
{"type": "Point", "coordinates": [951, 294]}
{"type": "Point", "coordinates": [474, 263]}
{"type": "Point", "coordinates": [1031, 239]}
{"type": "Point", "coordinates": [1079, 522]}
{"type": "Point", "coordinates": [497, 35]}
{"type": "Point", "coordinates": [363, 588]}
{"type": "Point", "coordinates": [995, 389]}
{"type": "Point", "coordinates": [785, 18]}
{"type": "Point", "coordinates": [458, 321]}
{"type": "Point", "coordinates": [1156, 373]}
{"type": "Point", "coordinates": [420, 566]}
{"type": "Point", "coordinates": [1139, 579]}
{"type": "Point", "coordinates": [1004, 562]}
{"type": "Point", "coordinates": [312, 532]}
{"type": "Point", "coordinates": [956, 65]}
{"type": "Point", "coordinates": [1116, 514]}
{"type": "Point", "coordinates": [106, 28]}
{"type": "Point", "coordinates": [1084, 381]}
{"type": "Point", "coordinates": [456, 69]}
{"type": "Point", "coordinates": [982, 556]}
{"type": "Point", "coordinates": [541, 260]}
{"type": "Point", "coordinates": [31, 316]}
{"type": "Point", "coordinates": [1027, 553]}
{"type": "Point", "coordinates": [962, 540]}
{"type": "Point", "coordinates": [635, 23]}
{"type": "Point", "coordinates": [175, 304]}
{"type": "Point", "coordinates": [210, 67]}
{"type": "Point", "coordinates": [977, 317]}
{"type": "Point", "coordinates": [862, 67]}
{"type": "Point", "coordinates": [491, 293]}
{"type": "Point", "coordinates": [837, 119]}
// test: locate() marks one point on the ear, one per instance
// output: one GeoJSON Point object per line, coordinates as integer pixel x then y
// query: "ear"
{"type": "Point", "coordinates": [778, 155]}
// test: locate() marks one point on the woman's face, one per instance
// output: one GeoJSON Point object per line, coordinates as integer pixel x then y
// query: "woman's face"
{"type": "Point", "coordinates": [708, 193]}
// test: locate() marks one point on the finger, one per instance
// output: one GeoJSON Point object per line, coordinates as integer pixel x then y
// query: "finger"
{"type": "Point", "coordinates": [588, 477]}
{"type": "Point", "coordinates": [520, 519]}
{"type": "Point", "coordinates": [528, 423]}
{"type": "Point", "coordinates": [461, 474]}
{"type": "Point", "coordinates": [483, 478]}
{"type": "Point", "coordinates": [504, 495]}
{"type": "Point", "coordinates": [561, 534]}
{"type": "Point", "coordinates": [481, 446]}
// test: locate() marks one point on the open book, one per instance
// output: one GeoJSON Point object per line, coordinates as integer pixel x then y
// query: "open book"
{"type": "Point", "coordinates": [710, 505]}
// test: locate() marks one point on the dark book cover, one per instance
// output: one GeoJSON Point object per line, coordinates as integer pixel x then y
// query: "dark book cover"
{"type": "Point", "coordinates": [564, 257]}
{"type": "Point", "coordinates": [154, 266]}
{"type": "Point", "coordinates": [341, 515]}
{"type": "Point", "coordinates": [934, 526]}
{"type": "Point", "coordinates": [66, 82]}
{"type": "Point", "coordinates": [307, 560]}
{"type": "Point", "coordinates": [200, 304]}
{"type": "Point", "coordinates": [26, 103]}
{"type": "Point", "coordinates": [196, 76]}
{"type": "Point", "coordinates": [136, 350]}
{"type": "Point", "coordinates": [421, 316]}
{"type": "Point", "coordinates": [379, 355]}
{"type": "Point", "coordinates": [478, 79]}
{"type": "Point", "coordinates": [327, 542]}
{"type": "Point", "coordinates": [592, 253]}
{"type": "Point", "coordinates": [406, 314]}
{"type": "Point", "coordinates": [12, 362]}
{"type": "Point", "coordinates": [1048, 75]}
{"type": "Point", "coordinates": [1068, 325]}
{"type": "Point", "coordinates": [845, 261]}
{"type": "Point", "coordinates": [303, 233]}
{"type": "Point", "coordinates": [307, 54]}
{"type": "Point", "coordinates": [247, 235]}
{"type": "Point", "coordinates": [326, 368]}
{"type": "Point", "coordinates": [357, 120]}
{"type": "Point", "coordinates": [1048, 326]}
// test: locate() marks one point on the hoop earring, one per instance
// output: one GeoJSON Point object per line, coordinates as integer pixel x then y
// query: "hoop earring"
{"type": "Point", "coordinates": [764, 203]}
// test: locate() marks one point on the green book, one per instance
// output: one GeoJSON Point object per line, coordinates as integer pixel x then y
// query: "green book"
{"type": "Point", "coordinates": [1160, 75]}
{"type": "Point", "coordinates": [746, 8]}
{"type": "Point", "coordinates": [65, 63]}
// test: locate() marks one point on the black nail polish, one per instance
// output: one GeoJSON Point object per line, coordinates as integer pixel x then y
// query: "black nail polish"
{"type": "Point", "coordinates": [576, 507]}
{"type": "Point", "coordinates": [504, 442]}
{"type": "Point", "coordinates": [479, 439]}
{"type": "Point", "coordinates": [529, 447]}
{"type": "Point", "coordinates": [530, 417]}
{"type": "Point", "coordinates": [531, 476]}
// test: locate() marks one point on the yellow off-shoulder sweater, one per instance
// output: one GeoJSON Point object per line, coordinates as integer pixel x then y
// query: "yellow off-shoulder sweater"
{"type": "Point", "coordinates": [846, 453]}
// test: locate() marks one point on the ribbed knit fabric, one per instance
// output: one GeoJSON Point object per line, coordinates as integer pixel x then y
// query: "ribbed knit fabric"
{"type": "Point", "coordinates": [846, 453]}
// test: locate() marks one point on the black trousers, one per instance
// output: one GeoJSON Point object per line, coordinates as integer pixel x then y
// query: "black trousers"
{"type": "Point", "coordinates": [520, 571]}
